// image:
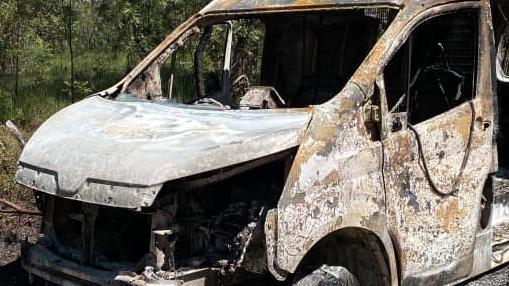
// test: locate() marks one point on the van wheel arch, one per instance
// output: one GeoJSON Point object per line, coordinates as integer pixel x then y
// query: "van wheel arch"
{"type": "Point", "coordinates": [358, 250]}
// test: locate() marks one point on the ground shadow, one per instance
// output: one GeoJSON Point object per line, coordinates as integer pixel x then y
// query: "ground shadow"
{"type": "Point", "coordinates": [13, 275]}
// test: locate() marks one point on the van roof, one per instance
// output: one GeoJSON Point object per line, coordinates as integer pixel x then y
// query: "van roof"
{"type": "Point", "coordinates": [232, 6]}
{"type": "Point", "coordinates": [239, 6]}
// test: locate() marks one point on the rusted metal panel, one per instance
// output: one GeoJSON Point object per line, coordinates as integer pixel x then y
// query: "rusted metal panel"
{"type": "Point", "coordinates": [119, 153]}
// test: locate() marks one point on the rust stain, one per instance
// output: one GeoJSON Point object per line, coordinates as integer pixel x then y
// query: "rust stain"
{"type": "Point", "coordinates": [450, 215]}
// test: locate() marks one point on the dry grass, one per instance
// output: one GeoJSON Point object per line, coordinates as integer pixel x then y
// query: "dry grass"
{"type": "Point", "coordinates": [13, 228]}
{"type": "Point", "coordinates": [9, 154]}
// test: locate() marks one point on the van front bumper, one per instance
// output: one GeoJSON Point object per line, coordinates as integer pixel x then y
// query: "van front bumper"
{"type": "Point", "coordinates": [39, 261]}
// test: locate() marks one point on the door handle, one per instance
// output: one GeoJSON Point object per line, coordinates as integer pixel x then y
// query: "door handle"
{"type": "Point", "coordinates": [486, 124]}
{"type": "Point", "coordinates": [483, 123]}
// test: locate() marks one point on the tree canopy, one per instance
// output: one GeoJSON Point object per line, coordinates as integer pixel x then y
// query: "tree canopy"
{"type": "Point", "coordinates": [53, 52]}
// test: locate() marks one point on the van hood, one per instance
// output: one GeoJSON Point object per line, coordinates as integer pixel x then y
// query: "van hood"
{"type": "Point", "coordinates": [121, 153]}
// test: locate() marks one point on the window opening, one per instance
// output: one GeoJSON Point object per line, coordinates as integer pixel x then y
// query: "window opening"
{"type": "Point", "coordinates": [435, 70]}
{"type": "Point", "coordinates": [271, 61]}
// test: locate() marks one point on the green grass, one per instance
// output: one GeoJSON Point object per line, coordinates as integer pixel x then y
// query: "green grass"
{"type": "Point", "coordinates": [31, 109]}
{"type": "Point", "coordinates": [43, 90]}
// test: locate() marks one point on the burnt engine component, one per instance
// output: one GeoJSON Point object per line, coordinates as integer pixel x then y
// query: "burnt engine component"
{"type": "Point", "coordinates": [217, 223]}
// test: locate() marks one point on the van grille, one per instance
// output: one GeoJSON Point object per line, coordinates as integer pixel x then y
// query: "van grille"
{"type": "Point", "coordinates": [119, 235]}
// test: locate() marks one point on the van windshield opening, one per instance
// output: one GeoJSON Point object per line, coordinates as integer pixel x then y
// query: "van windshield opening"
{"type": "Point", "coordinates": [270, 61]}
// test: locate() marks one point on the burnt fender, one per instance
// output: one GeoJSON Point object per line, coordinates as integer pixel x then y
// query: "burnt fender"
{"type": "Point", "coordinates": [335, 182]}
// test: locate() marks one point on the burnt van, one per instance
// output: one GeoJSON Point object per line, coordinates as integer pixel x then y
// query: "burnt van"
{"type": "Point", "coordinates": [332, 142]}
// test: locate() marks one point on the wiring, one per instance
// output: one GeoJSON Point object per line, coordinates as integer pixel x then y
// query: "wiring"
{"type": "Point", "coordinates": [434, 186]}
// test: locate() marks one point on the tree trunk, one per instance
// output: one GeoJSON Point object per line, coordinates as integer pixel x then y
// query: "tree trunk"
{"type": "Point", "coordinates": [71, 53]}
{"type": "Point", "coordinates": [16, 79]}
{"type": "Point", "coordinates": [16, 58]}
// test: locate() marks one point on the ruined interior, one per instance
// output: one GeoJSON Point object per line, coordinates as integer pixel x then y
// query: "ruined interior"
{"type": "Point", "coordinates": [259, 70]}
{"type": "Point", "coordinates": [436, 68]}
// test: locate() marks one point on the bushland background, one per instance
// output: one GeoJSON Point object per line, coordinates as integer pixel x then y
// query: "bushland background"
{"type": "Point", "coordinates": [53, 53]}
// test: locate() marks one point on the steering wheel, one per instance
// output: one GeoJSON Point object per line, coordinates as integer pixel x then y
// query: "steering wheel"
{"type": "Point", "coordinates": [208, 101]}
{"type": "Point", "coordinates": [443, 76]}
{"type": "Point", "coordinates": [240, 79]}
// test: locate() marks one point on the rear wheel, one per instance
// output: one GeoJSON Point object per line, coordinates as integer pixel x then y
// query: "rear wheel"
{"type": "Point", "coordinates": [327, 276]}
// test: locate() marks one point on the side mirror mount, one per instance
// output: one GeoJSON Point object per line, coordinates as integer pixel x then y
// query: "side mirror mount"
{"type": "Point", "coordinates": [391, 121]}
{"type": "Point", "coordinates": [384, 109]}
{"type": "Point", "coordinates": [397, 121]}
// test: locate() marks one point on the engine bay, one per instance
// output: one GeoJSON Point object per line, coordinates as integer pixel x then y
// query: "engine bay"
{"type": "Point", "coordinates": [213, 220]}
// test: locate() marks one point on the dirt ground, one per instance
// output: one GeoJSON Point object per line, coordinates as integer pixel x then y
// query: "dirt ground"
{"type": "Point", "coordinates": [13, 228]}
{"type": "Point", "coordinates": [498, 277]}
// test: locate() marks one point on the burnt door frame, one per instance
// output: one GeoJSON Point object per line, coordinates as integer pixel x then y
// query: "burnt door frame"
{"type": "Point", "coordinates": [433, 230]}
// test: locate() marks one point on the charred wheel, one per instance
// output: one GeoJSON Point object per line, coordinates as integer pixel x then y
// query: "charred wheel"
{"type": "Point", "coordinates": [327, 275]}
